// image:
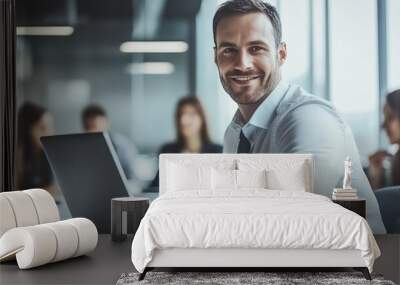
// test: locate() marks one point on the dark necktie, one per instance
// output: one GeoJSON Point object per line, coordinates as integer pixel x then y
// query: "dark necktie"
{"type": "Point", "coordinates": [244, 144]}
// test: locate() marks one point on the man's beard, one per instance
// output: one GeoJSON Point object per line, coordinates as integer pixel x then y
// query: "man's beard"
{"type": "Point", "coordinates": [262, 91]}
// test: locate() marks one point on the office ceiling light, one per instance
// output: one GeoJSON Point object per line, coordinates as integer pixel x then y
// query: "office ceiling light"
{"type": "Point", "coordinates": [45, 31]}
{"type": "Point", "coordinates": [154, 47]}
{"type": "Point", "coordinates": [151, 68]}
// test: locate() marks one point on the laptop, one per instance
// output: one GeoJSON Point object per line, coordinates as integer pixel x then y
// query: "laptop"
{"type": "Point", "coordinates": [88, 171]}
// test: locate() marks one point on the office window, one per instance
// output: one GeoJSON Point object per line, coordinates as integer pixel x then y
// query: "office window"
{"type": "Point", "coordinates": [74, 53]}
{"type": "Point", "coordinates": [393, 44]}
{"type": "Point", "coordinates": [318, 55]}
{"type": "Point", "coordinates": [218, 104]}
{"type": "Point", "coordinates": [295, 17]}
{"type": "Point", "coordinates": [354, 68]}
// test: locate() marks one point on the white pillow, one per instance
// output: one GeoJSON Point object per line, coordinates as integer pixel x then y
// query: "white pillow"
{"type": "Point", "coordinates": [235, 179]}
{"type": "Point", "coordinates": [293, 180]}
{"type": "Point", "coordinates": [251, 178]}
{"type": "Point", "coordinates": [223, 179]}
{"type": "Point", "coordinates": [188, 177]}
{"type": "Point", "coordinates": [288, 174]}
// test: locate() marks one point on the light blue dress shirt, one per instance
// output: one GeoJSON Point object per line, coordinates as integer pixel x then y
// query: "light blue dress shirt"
{"type": "Point", "coordinates": [290, 120]}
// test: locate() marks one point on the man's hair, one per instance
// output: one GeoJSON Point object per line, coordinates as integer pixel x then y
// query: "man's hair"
{"type": "Point", "coordinates": [91, 112]}
{"type": "Point", "coordinates": [241, 7]}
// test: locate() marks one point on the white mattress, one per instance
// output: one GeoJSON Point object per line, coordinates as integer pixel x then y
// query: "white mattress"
{"type": "Point", "coordinates": [252, 218]}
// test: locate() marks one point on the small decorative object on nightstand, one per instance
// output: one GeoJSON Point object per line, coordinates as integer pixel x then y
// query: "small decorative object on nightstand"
{"type": "Point", "coordinates": [346, 192]}
{"type": "Point", "coordinates": [355, 205]}
{"type": "Point", "coordinates": [124, 211]}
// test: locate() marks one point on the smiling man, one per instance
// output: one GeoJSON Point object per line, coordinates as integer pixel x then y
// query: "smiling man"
{"type": "Point", "coordinates": [276, 117]}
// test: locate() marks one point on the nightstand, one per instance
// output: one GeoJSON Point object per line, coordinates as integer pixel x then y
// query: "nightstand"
{"type": "Point", "coordinates": [126, 214]}
{"type": "Point", "coordinates": [357, 206]}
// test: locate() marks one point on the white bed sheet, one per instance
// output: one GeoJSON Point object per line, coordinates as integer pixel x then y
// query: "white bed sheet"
{"type": "Point", "coordinates": [251, 218]}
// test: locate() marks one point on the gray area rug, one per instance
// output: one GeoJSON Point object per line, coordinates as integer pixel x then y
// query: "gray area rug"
{"type": "Point", "coordinates": [226, 278]}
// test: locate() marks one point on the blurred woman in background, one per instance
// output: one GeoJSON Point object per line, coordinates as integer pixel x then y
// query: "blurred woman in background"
{"type": "Point", "coordinates": [391, 124]}
{"type": "Point", "coordinates": [33, 170]}
{"type": "Point", "coordinates": [191, 131]}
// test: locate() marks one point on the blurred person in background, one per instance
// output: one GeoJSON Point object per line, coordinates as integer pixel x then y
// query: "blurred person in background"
{"type": "Point", "coordinates": [94, 119]}
{"type": "Point", "coordinates": [33, 170]}
{"type": "Point", "coordinates": [379, 175]}
{"type": "Point", "coordinates": [191, 131]}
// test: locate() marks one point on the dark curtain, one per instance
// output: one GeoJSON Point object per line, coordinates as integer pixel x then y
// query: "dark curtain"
{"type": "Point", "coordinates": [7, 95]}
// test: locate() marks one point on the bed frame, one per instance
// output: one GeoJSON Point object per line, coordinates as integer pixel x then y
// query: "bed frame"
{"type": "Point", "coordinates": [245, 259]}
{"type": "Point", "coordinates": [240, 259]}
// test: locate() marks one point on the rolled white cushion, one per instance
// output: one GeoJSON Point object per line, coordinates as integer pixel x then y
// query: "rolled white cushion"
{"type": "Point", "coordinates": [87, 233]}
{"type": "Point", "coordinates": [45, 205]}
{"type": "Point", "coordinates": [7, 218]}
{"type": "Point", "coordinates": [67, 240]}
{"type": "Point", "coordinates": [33, 246]}
{"type": "Point", "coordinates": [23, 208]}
{"type": "Point", "coordinates": [41, 244]}
{"type": "Point", "coordinates": [26, 208]}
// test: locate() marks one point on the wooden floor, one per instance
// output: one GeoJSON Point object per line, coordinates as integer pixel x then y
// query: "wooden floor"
{"type": "Point", "coordinates": [110, 260]}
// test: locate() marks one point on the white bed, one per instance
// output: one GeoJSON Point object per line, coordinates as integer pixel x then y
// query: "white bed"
{"type": "Point", "coordinates": [202, 220]}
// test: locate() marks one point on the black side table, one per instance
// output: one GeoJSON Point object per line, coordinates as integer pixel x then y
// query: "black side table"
{"type": "Point", "coordinates": [357, 206]}
{"type": "Point", "coordinates": [126, 214]}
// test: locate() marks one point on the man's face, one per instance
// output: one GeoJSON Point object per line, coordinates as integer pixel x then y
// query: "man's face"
{"type": "Point", "coordinates": [246, 56]}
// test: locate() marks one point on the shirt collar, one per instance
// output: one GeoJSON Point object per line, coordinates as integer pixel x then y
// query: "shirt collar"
{"type": "Point", "coordinates": [264, 114]}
